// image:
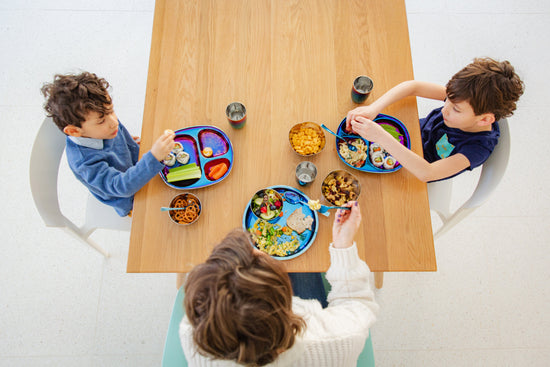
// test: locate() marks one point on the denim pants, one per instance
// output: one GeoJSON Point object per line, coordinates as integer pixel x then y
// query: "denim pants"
{"type": "Point", "coordinates": [309, 286]}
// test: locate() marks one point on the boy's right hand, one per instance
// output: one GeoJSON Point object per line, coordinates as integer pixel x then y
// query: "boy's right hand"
{"type": "Point", "coordinates": [365, 111]}
{"type": "Point", "coordinates": [163, 145]}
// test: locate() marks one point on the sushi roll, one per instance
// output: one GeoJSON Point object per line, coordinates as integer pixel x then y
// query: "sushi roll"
{"type": "Point", "coordinates": [177, 148]}
{"type": "Point", "coordinates": [170, 160]}
{"type": "Point", "coordinates": [182, 157]}
{"type": "Point", "coordinates": [375, 148]}
{"type": "Point", "coordinates": [377, 159]}
{"type": "Point", "coordinates": [389, 162]}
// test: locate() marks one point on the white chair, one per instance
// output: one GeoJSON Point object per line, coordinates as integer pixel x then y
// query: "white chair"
{"type": "Point", "coordinates": [47, 151]}
{"type": "Point", "coordinates": [492, 171]}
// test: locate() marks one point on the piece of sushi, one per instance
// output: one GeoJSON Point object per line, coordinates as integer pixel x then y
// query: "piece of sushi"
{"type": "Point", "coordinates": [375, 148]}
{"type": "Point", "coordinates": [389, 162]}
{"type": "Point", "coordinates": [182, 157]}
{"type": "Point", "coordinates": [377, 159]}
{"type": "Point", "coordinates": [170, 160]}
{"type": "Point", "coordinates": [177, 148]}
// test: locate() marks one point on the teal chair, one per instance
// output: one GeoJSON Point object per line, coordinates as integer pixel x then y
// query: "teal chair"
{"type": "Point", "coordinates": [173, 354]}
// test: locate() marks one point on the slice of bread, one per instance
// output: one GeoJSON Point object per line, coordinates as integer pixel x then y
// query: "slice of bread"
{"type": "Point", "coordinates": [299, 222]}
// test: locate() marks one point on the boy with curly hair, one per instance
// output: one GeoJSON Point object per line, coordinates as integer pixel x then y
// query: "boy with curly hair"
{"type": "Point", "coordinates": [101, 152]}
{"type": "Point", "coordinates": [458, 136]}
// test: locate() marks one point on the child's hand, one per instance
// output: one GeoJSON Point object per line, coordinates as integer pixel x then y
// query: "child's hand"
{"type": "Point", "coordinates": [368, 129]}
{"type": "Point", "coordinates": [346, 224]}
{"type": "Point", "coordinates": [163, 145]}
{"type": "Point", "coordinates": [137, 139]}
{"type": "Point", "coordinates": [364, 111]}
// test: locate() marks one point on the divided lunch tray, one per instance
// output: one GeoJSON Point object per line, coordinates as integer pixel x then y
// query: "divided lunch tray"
{"type": "Point", "coordinates": [194, 139]}
{"type": "Point", "coordinates": [306, 238]}
{"type": "Point", "coordinates": [381, 119]}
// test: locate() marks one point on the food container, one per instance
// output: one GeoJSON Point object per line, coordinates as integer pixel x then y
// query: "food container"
{"type": "Point", "coordinates": [340, 186]}
{"type": "Point", "coordinates": [307, 138]}
{"type": "Point", "coordinates": [186, 216]}
{"type": "Point", "coordinates": [267, 204]}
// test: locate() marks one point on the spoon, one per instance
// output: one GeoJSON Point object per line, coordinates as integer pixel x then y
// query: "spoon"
{"type": "Point", "coordinates": [350, 146]}
{"type": "Point", "coordinates": [165, 209]}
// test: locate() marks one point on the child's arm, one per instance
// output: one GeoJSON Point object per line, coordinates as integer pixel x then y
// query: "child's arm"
{"type": "Point", "coordinates": [400, 91]}
{"type": "Point", "coordinates": [414, 163]}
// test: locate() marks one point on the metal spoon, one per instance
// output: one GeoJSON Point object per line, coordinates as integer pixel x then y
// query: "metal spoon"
{"type": "Point", "coordinates": [165, 209]}
{"type": "Point", "coordinates": [350, 146]}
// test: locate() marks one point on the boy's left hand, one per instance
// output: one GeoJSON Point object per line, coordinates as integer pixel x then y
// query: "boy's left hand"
{"type": "Point", "coordinates": [368, 129]}
{"type": "Point", "coordinates": [137, 139]}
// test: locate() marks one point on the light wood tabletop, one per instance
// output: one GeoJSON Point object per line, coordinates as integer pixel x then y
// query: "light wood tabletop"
{"type": "Point", "coordinates": [287, 62]}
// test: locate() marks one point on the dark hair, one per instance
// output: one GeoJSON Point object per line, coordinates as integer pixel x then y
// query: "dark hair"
{"type": "Point", "coordinates": [488, 85]}
{"type": "Point", "coordinates": [71, 97]}
{"type": "Point", "coordinates": [240, 304]}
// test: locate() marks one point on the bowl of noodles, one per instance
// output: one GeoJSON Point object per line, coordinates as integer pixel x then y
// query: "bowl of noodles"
{"type": "Point", "coordinates": [192, 210]}
{"type": "Point", "coordinates": [340, 186]}
{"type": "Point", "coordinates": [355, 158]}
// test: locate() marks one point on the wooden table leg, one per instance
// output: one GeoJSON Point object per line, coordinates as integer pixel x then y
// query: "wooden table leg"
{"type": "Point", "coordinates": [180, 279]}
{"type": "Point", "coordinates": [378, 279]}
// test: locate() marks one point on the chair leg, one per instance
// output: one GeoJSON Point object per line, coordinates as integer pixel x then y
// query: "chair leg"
{"type": "Point", "coordinates": [378, 279]}
{"type": "Point", "coordinates": [88, 240]}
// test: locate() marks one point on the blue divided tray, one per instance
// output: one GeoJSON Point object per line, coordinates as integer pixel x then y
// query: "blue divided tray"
{"type": "Point", "coordinates": [306, 238]}
{"type": "Point", "coordinates": [194, 139]}
{"type": "Point", "coordinates": [380, 119]}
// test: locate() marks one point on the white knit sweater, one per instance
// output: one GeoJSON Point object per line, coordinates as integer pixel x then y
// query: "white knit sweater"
{"type": "Point", "coordinates": [334, 336]}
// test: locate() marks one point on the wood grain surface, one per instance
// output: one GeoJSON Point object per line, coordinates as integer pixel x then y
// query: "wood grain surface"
{"type": "Point", "coordinates": [287, 62]}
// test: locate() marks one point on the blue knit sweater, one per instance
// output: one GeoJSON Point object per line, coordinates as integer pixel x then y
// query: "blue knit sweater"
{"type": "Point", "coordinates": [110, 168]}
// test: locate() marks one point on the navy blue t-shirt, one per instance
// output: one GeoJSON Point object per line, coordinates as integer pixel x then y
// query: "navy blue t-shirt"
{"type": "Point", "coordinates": [440, 141]}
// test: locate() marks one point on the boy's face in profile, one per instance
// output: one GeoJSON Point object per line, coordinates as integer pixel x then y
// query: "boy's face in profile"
{"type": "Point", "coordinates": [460, 115]}
{"type": "Point", "coordinates": [95, 126]}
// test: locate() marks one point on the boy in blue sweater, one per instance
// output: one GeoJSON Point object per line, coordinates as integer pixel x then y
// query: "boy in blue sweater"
{"type": "Point", "coordinates": [101, 152]}
{"type": "Point", "coordinates": [458, 136]}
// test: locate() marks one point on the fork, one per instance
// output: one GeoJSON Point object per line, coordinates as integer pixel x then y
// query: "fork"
{"type": "Point", "coordinates": [324, 209]}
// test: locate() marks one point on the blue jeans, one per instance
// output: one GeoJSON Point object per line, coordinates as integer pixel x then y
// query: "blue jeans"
{"type": "Point", "coordinates": [309, 286]}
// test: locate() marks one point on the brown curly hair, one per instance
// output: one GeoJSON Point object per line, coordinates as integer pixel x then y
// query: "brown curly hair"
{"type": "Point", "coordinates": [71, 97]}
{"type": "Point", "coordinates": [239, 304]}
{"type": "Point", "coordinates": [488, 85]}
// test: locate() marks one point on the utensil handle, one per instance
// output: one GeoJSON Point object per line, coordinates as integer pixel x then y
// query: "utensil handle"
{"type": "Point", "coordinates": [341, 207]}
{"type": "Point", "coordinates": [165, 209]}
{"type": "Point", "coordinates": [332, 132]}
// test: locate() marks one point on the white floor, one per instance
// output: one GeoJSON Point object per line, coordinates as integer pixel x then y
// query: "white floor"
{"type": "Point", "coordinates": [62, 304]}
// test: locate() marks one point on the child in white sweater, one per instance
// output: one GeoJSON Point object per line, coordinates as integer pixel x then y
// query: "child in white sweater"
{"type": "Point", "coordinates": [240, 309]}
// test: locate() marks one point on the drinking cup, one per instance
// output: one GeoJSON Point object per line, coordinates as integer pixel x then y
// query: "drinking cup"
{"type": "Point", "coordinates": [362, 86]}
{"type": "Point", "coordinates": [236, 114]}
{"type": "Point", "coordinates": [305, 173]}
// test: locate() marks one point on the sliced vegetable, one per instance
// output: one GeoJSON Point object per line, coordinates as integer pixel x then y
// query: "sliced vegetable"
{"type": "Point", "coordinates": [217, 171]}
{"type": "Point", "coordinates": [187, 172]}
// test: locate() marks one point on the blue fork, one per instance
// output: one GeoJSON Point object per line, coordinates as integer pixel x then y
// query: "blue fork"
{"type": "Point", "coordinates": [295, 199]}
{"type": "Point", "coordinates": [324, 209]}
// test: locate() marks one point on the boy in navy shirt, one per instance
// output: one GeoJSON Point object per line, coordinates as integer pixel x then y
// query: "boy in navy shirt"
{"type": "Point", "coordinates": [458, 136]}
{"type": "Point", "coordinates": [101, 152]}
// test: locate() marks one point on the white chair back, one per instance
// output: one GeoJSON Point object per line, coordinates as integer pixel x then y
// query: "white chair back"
{"type": "Point", "coordinates": [492, 171]}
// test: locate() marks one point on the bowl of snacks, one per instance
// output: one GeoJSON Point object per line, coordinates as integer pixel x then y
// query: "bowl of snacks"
{"type": "Point", "coordinates": [190, 209]}
{"type": "Point", "coordinates": [267, 204]}
{"type": "Point", "coordinates": [340, 186]}
{"type": "Point", "coordinates": [307, 138]}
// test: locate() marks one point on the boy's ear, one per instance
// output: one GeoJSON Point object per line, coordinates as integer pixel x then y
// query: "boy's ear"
{"type": "Point", "coordinates": [486, 119]}
{"type": "Point", "coordinates": [72, 131]}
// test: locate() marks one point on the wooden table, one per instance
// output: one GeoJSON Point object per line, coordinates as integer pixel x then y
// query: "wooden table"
{"type": "Point", "coordinates": [288, 62]}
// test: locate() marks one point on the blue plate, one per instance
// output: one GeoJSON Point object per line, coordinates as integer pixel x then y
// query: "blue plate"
{"type": "Point", "coordinates": [382, 120]}
{"type": "Point", "coordinates": [306, 238]}
{"type": "Point", "coordinates": [194, 139]}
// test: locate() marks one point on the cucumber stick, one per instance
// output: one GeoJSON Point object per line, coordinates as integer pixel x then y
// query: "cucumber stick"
{"type": "Point", "coordinates": [187, 172]}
